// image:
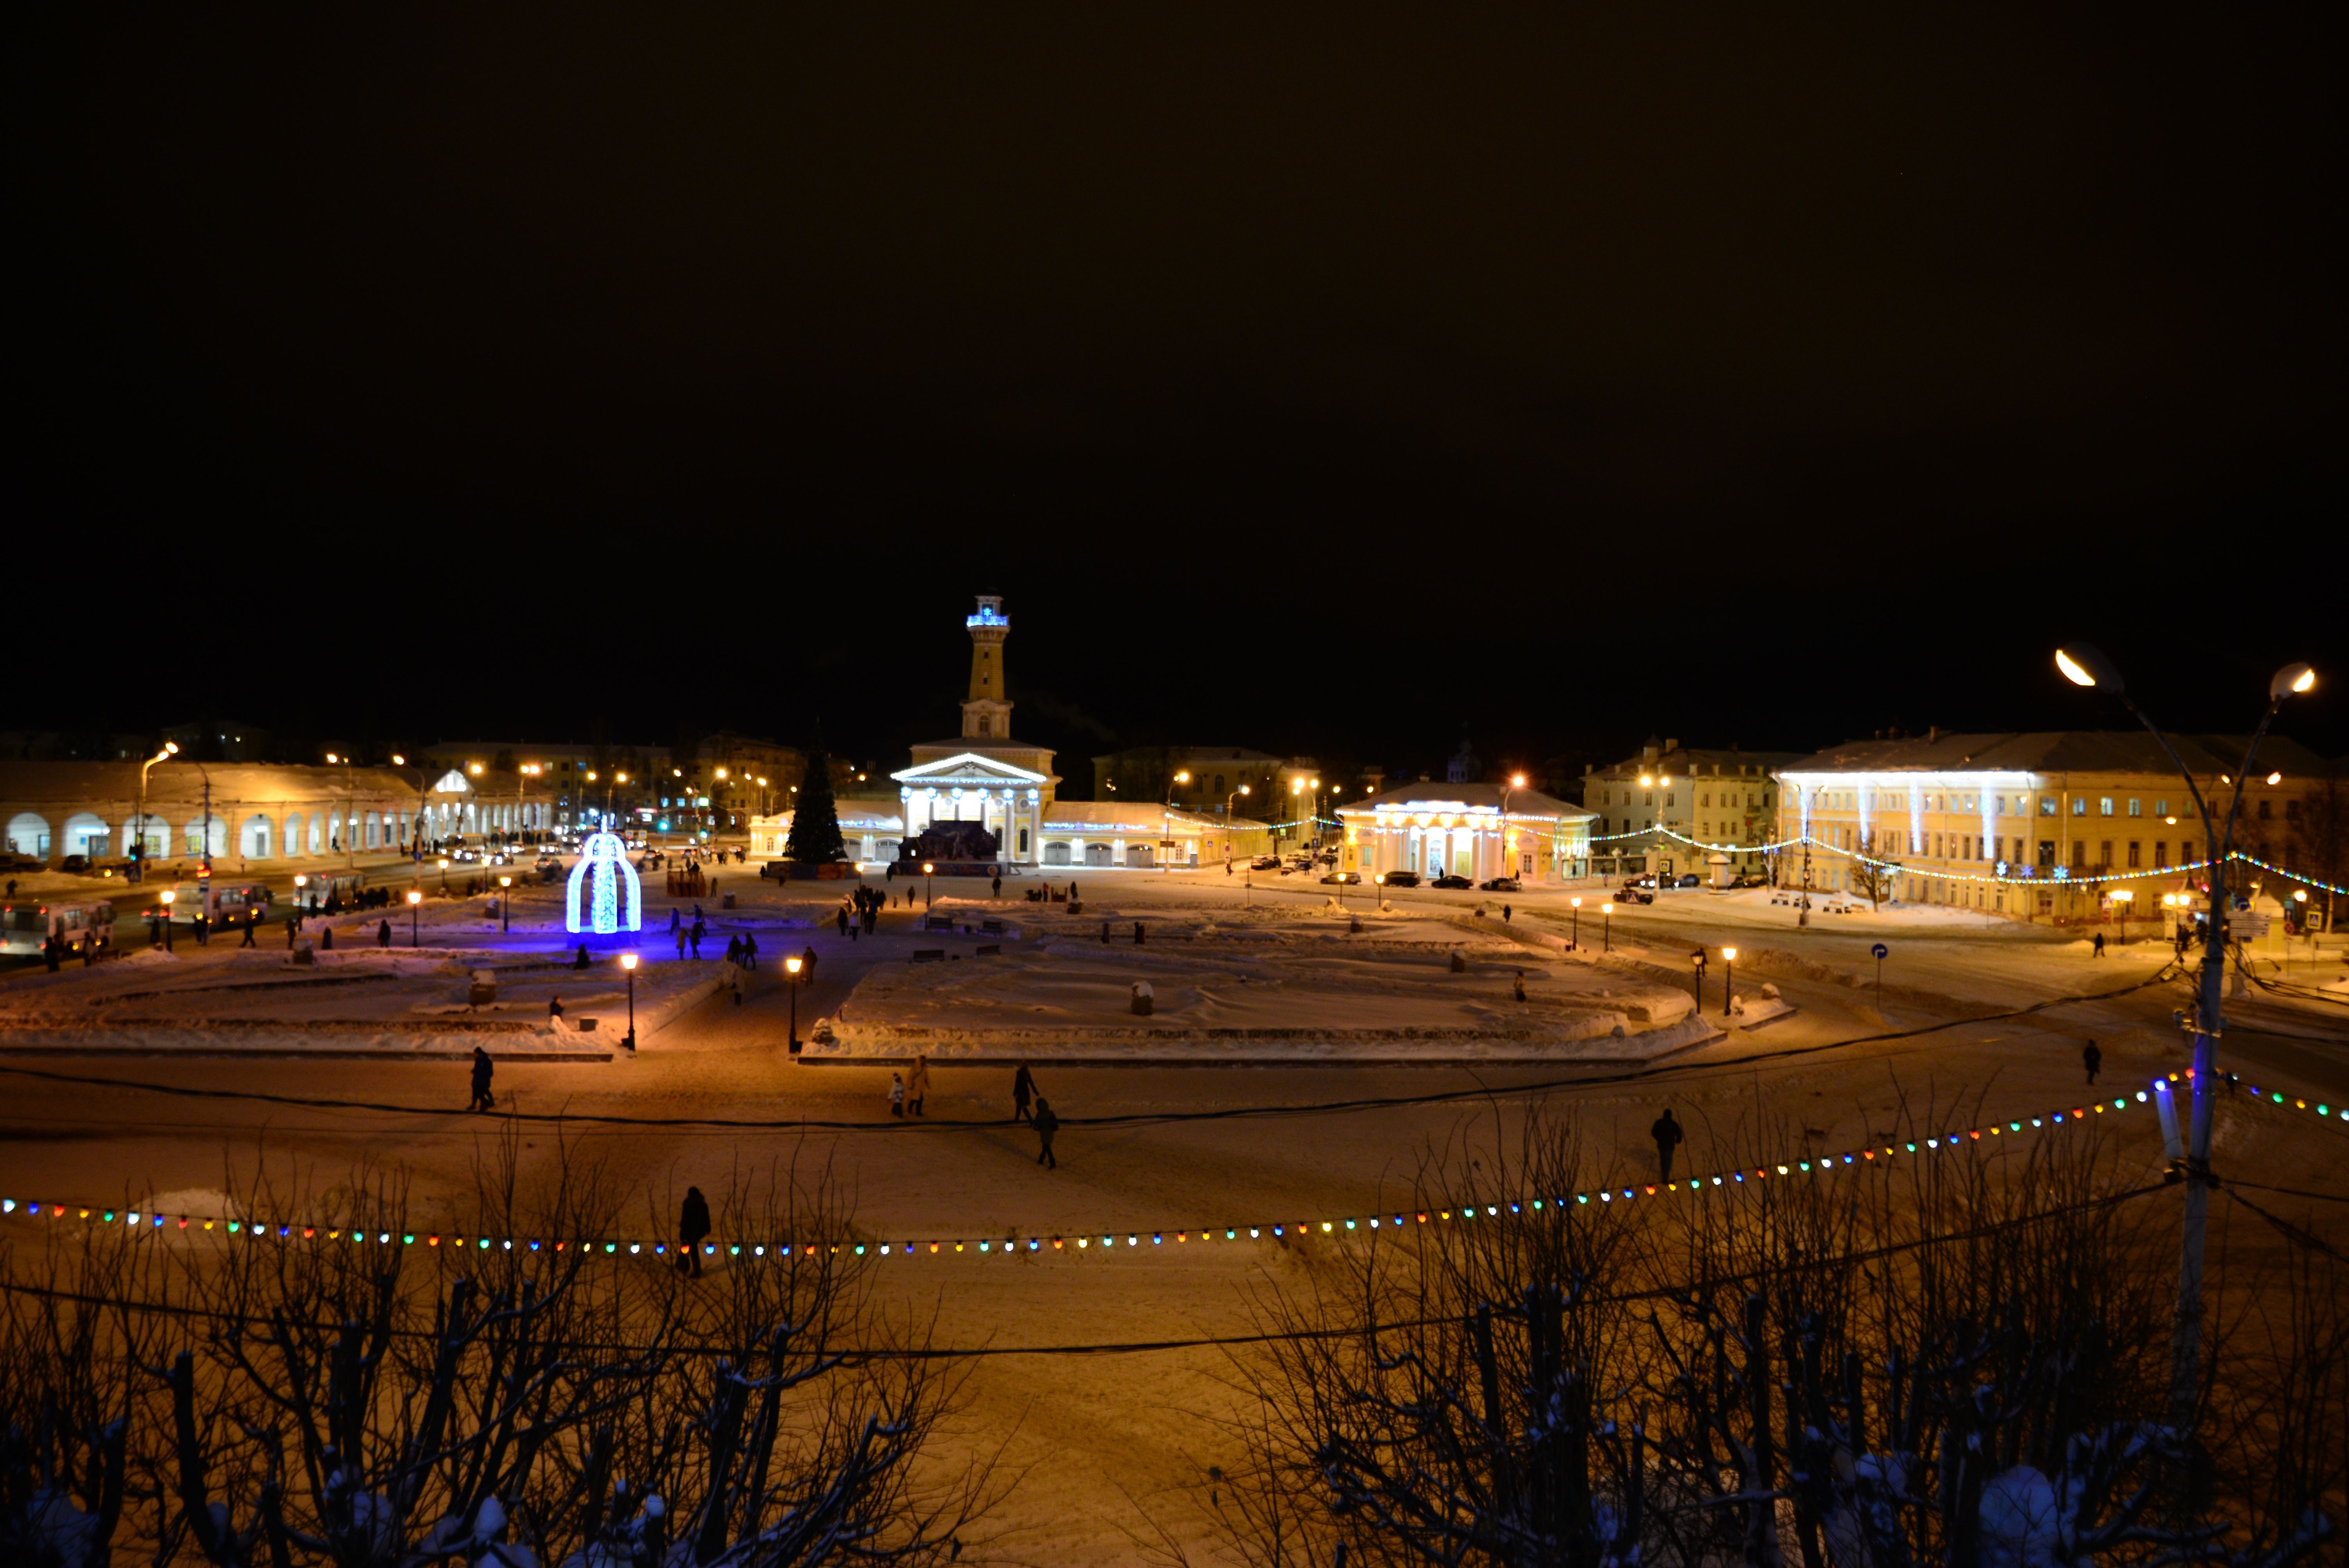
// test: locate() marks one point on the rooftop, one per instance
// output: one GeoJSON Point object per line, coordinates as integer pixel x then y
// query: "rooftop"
{"type": "Point", "coordinates": [2058, 751]}
{"type": "Point", "coordinates": [1437, 795]}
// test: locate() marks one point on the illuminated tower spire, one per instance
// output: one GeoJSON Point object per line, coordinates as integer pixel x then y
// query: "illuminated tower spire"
{"type": "Point", "coordinates": [987, 716]}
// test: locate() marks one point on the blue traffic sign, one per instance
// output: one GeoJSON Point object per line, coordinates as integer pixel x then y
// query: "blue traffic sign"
{"type": "Point", "coordinates": [1881, 951]}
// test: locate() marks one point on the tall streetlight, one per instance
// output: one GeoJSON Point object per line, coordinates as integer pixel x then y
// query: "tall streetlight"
{"type": "Point", "coordinates": [1181, 778]}
{"type": "Point", "coordinates": [2122, 897]}
{"type": "Point", "coordinates": [444, 873]}
{"type": "Point", "coordinates": [505, 905]}
{"type": "Point", "coordinates": [169, 898]}
{"type": "Point", "coordinates": [2084, 665]}
{"type": "Point", "coordinates": [1577, 902]}
{"type": "Point", "coordinates": [1607, 928]}
{"type": "Point", "coordinates": [139, 854]}
{"type": "Point", "coordinates": [928, 897]}
{"type": "Point", "coordinates": [1728, 979]}
{"type": "Point", "coordinates": [533, 770]}
{"type": "Point", "coordinates": [628, 962]}
{"type": "Point", "coordinates": [415, 900]}
{"type": "Point", "coordinates": [1516, 781]}
{"type": "Point", "coordinates": [350, 823]}
{"type": "Point", "coordinates": [791, 966]}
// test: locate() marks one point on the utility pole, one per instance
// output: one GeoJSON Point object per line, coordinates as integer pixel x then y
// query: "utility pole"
{"type": "Point", "coordinates": [2084, 665]}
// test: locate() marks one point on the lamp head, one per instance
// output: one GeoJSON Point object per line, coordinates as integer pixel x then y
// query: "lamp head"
{"type": "Point", "coordinates": [475, 769]}
{"type": "Point", "coordinates": [1576, 900]}
{"type": "Point", "coordinates": [505, 881]}
{"type": "Point", "coordinates": [171, 749]}
{"type": "Point", "coordinates": [927, 867]}
{"type": "Point", "coordinates": [793, 964]}
{"type": "Point", "coordinates": [1516, 780]}
{"type": "Point", "coordinates": [2275, 777]}
{"type": "Point", "coordinates": [2292, 680]}
{"type": "Point", "coordinates": [2084, 665]}
{"type": "Point", "coordinates": [170, 897]}
{"type": "Point", "coordinates": [1730, 953]}
{"type": "Point", "coordinates": [628, 961]}
{"type": "Point", "coordinates": [398, 760]}
{"type": "Point", "coordinates": [332, 757]}
{"type": "Point", "coordinates": [415, 897]}
{"type": "Point", "coordinates": [1606, 909]}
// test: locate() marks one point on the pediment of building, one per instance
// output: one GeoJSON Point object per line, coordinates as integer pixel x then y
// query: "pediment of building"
{"type": "Point", "coordinates": [968, 768]}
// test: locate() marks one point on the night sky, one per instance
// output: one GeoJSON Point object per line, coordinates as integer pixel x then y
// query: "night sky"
{"type": "Point", "coordinates": [1335, 380]}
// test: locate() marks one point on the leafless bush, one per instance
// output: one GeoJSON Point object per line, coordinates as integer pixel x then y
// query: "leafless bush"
{"type": "Point", "coordinates": [1957, 1358]}
{"type": "Point", "coordinates": [337, 1398]}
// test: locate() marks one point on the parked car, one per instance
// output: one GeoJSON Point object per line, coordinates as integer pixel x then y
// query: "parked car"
{"type": "Point", "coordinates": [1346, 878]}
{"type": "Point", "coordinates": [1400, 878]}
{"type": "Point", "coordinates": [1640, 881]}
{"type": "Point", "coordinates": [77, 865]}
{"type": "Point", "coordinates": [1634, 894]}
{"type": "Point", "coordinates": [1690, 879]}
{"type": "Point", "coordinates": [1503, 884]}
{"type": "Point", "coordinates": [1453, 881]}
{"type": "Point", "coordinates": [1265, 863]}
{"type": "Point", "coordinates": [1751, 879]}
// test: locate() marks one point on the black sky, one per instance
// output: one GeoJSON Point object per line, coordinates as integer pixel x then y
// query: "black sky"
{"type": "Point", "coordinates": [1307, 379]}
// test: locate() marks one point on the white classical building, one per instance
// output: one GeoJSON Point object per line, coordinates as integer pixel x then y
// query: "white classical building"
{"type": "Point", "coordinates": [1475, 830]}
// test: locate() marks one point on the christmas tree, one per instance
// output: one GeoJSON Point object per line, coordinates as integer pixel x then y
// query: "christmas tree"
{"type": "Point", "coordinates": [815, 822]}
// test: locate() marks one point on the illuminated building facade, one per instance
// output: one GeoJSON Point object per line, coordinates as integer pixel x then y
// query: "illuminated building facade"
{"type": "Point", "coordinates": [1714, 796]}
{"type": "Point", "coordinates": [1476, 830]}
{"type": "Point", "coordinates": [2043, 826]}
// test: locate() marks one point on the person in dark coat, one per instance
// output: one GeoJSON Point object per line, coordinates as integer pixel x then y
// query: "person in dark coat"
{"type": "Point", "coordinates": [483, 1069]}
{"type": "Point", "coordinates": [49, 951]}
{"type": "Point", "coordinates": [2099, 945]}
{"type": "Point", "coordinates": [383, 934]}
{"type": "Point", "coordinates": [580, 961]}
{"type": "Point", "coordinates": [750, 950]}
{"type": "Point", "coordinates": [2092, 1058]}
{"type": "Point", "coordinates": [807, 966]}
{"type": "Point", "coordinates": [1023, 1089]}
{"type": "Point", "coordinates": [252, 923]}
{"type": "Point", "coordinates": [692, 1226]}
{"type": "Point", "coordinates": [292, 925]}
{"type": "Point", "coordinates": [1667, 1135]}
{"type": "Point", "coordinates": [839, 919]}
{"type": "Point", "coordinates": [1137, 933]}
{"type": "Point", "coordinates": [1046, 1124]}
{"type": "Point", "coordinates": [326, 938]}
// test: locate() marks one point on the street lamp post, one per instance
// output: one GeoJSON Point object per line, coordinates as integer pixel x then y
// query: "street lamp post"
{"type": "Point", "coordinates": [1728, 979]}
{"type": "Point", "coordinates": [1696, 961]}
{"type": "Point", "coordinates": [2084, 665]}
{"type": "Point", "coordinates": [505, 905]}
{"type": "Point", "coordinates": [1607, 928]}
{"type": "Point", "coordinates": [444, 873]}
{"type": "Point", "coordinates": [928, 898]}
{"type": "Point", "coordinates": [138, 855]}
{"type": "Point", "coordinates": [415, 902]}
{"type": "Point", "coordinates": [628, 962]}
{"type": "Point", "coordinates": [1516, 781]}
{"type": "Point", "coordinates": [791, 966]}
{"type": "Point", "coordinates": [168, 897]}
{"type": "Point", "coordinates": [2122, 897]}
{"type": "Point", "coordinates": [1576, 943]}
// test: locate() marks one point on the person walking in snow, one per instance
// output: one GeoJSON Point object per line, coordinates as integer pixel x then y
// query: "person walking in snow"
{"type": "Point", "coordinates": [678, 932]}
{"type": "Point", "coordinates": [692, 1227]}
{"type": "Point", "coordinates": [917, 1084]}
{"type": "Point", "coordinates": [2099, 945]}
{"type": "Point", "coordinates": [676, 920]}
{"type": "Point", "coordinates": [807, 965]}
{"type": "Point", "coordinates": [1046, 1124]}
{"type": "Point", "coordinates": [1505, 913]}
{"type": "Point", "coordinates": [482, 1070]}
{"type": "Point", "coordinates": [1023, 1089]}
{"type": "Point", "coordinates": [896, 1097]}
{"type": "Point", "coordinates": [383, 934]}
{"type": "Point", "coordinates": [693, 933]}
{"type": "Point", "coordinates": [1668, 1137]}
{"type": "Point", "coordinates": [251, 918]}
{"type": "Point", "coordinates": [839, 919]}
{"type": "Point", "coordinates": [995, 886]}
{"type": "Point", "coordinates": [2093, 1059]}
{"type": "Point", "coordinates": [750, 950]}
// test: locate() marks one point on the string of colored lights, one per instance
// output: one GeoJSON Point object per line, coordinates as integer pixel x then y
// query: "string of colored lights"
{"type": "Point", "coordinates": [981, 1248]}
{"type": "Point", "coordinates": [2060, 874]}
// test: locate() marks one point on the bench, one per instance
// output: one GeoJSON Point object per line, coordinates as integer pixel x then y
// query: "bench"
{"type": "Point", "coordinates": [929, 956]}
{"type": "Point", "coordinates": [993, 927]}
{"type": "Point", "coordinates": [989, 950]}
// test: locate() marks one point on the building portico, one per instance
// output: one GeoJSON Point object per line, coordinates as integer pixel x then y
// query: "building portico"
{"type": "Point", "coordinates": [1009, 800]}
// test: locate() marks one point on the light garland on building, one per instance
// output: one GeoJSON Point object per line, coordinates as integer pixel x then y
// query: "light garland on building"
{"type": "Point", "coordinates": [1873, 1155]}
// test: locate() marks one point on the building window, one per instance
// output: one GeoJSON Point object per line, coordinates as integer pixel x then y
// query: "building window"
{"type": "Point", "coordinates": [2133, 808]}
{"type": "Point", "coordinates": [2133, 860]}
{"type": "Point", "coordinates": [2161, 854]}
{"type": "Point", "coordinates": [2104, 855]}
{"type": "Point", "coordinates": [2105, 806]}
{"type": "Point", "coordinates": [2047, 805]}
{"type": "Point", "coordinates": [2079, 855]}
{"type": "Point", "coordinates": [2079, 805]}
{"type": "Point", "coordinates": [2265, 813]}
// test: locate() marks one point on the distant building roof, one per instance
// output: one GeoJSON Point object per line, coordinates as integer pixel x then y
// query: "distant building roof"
{"type": "Point", "coordinates": [1438, 796]}
{"type": "Point", "coordinates": [2056, 751]}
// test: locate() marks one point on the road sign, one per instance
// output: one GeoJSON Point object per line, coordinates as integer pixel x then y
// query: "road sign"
{"type": "Point", "coordinates": [2249, 927]}
{"type": "Point", "coordinates": [1881, 951]}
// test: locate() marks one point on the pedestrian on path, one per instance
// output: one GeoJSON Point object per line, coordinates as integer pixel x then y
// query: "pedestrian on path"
{"type": "Point", "coordinates": [807, 965]}
{"type": "Point", "coordinates": [733, 950]}
{"type": "Point", "coordinates": [1046, 1124]}
{"type": "Point", "coordinates": [1505, 913]}
{"type": "Point", "coordinates": [1023, 1089]}
{"type": "Point", "coordinates": [1667, 1135]}
{"type": "Point", "coordinates": [839, 919]}
{"type": "Point", "coordinates": [994, 885]}
{"type": "Point", "coordinates": [750, 950]}
{"type": "Point", "coordinates": [482, 1070]}
{"type": "Point", "coordinates": [2099, 945]}
{"type": "Point", "coordinates": [292, 925]}
{"type": "Point", "coordinates": [382, 934]}
{"type": "Point", "coordinates": [579, 960]}
{"type": "Point", "coordinates": [1137, 933]}
{"type": "Point", "coordinates": [917, 1084]}
{"type": "Point", "coordinates": [49, 950]}
{"type": "Point", "coordinates": [2093, 1059]}
{"type": "Point", "coordinates": [1521, 984]}
{"type": "Point", "coordinates": [693, 932]}
{"type": "Point", "coordinates": [678, 932]}
{"type": "Point", "coordinates": [325, 937]}
{"type": "Point", "coordinates": [252, 923]}
{"type": "Point", "coordinates": [896, 1096]}
{"type": "Point", "coordinates": [692, 1226]}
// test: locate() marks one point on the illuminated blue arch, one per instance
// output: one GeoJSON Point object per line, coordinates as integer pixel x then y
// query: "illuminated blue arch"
{"type": "Point", "coordinates": [603, 867]}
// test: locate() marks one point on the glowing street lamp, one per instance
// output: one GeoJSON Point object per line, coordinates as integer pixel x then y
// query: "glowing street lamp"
{"type": "Point", "coordinates": [1607, 928]}
{"type": "Point", "coordinates": [444, 873]}
{"type": "Point", "coordinates": [628, 962]}
{"type": "Point", "coordinates": [928, 897]}
{"type": "Point", "coordinates": [139, 854]}
{"type": "Point", "coordinates": [1577, 901]}
{"type": "Point", "coordinates": [415, 900]}
{"type": "Point", "coordinates": [170, 897]}
{"type": "Point", "coordinates": [505, 905]}
{"type": "Point", "coordinates": [2123, 898]}
{"type": "Point", "coordinates": [1728, 978]}
{"type": "Point", "coordinates": [2084, 665]}
{"type": "Point", "coordinates": [793, 964]}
